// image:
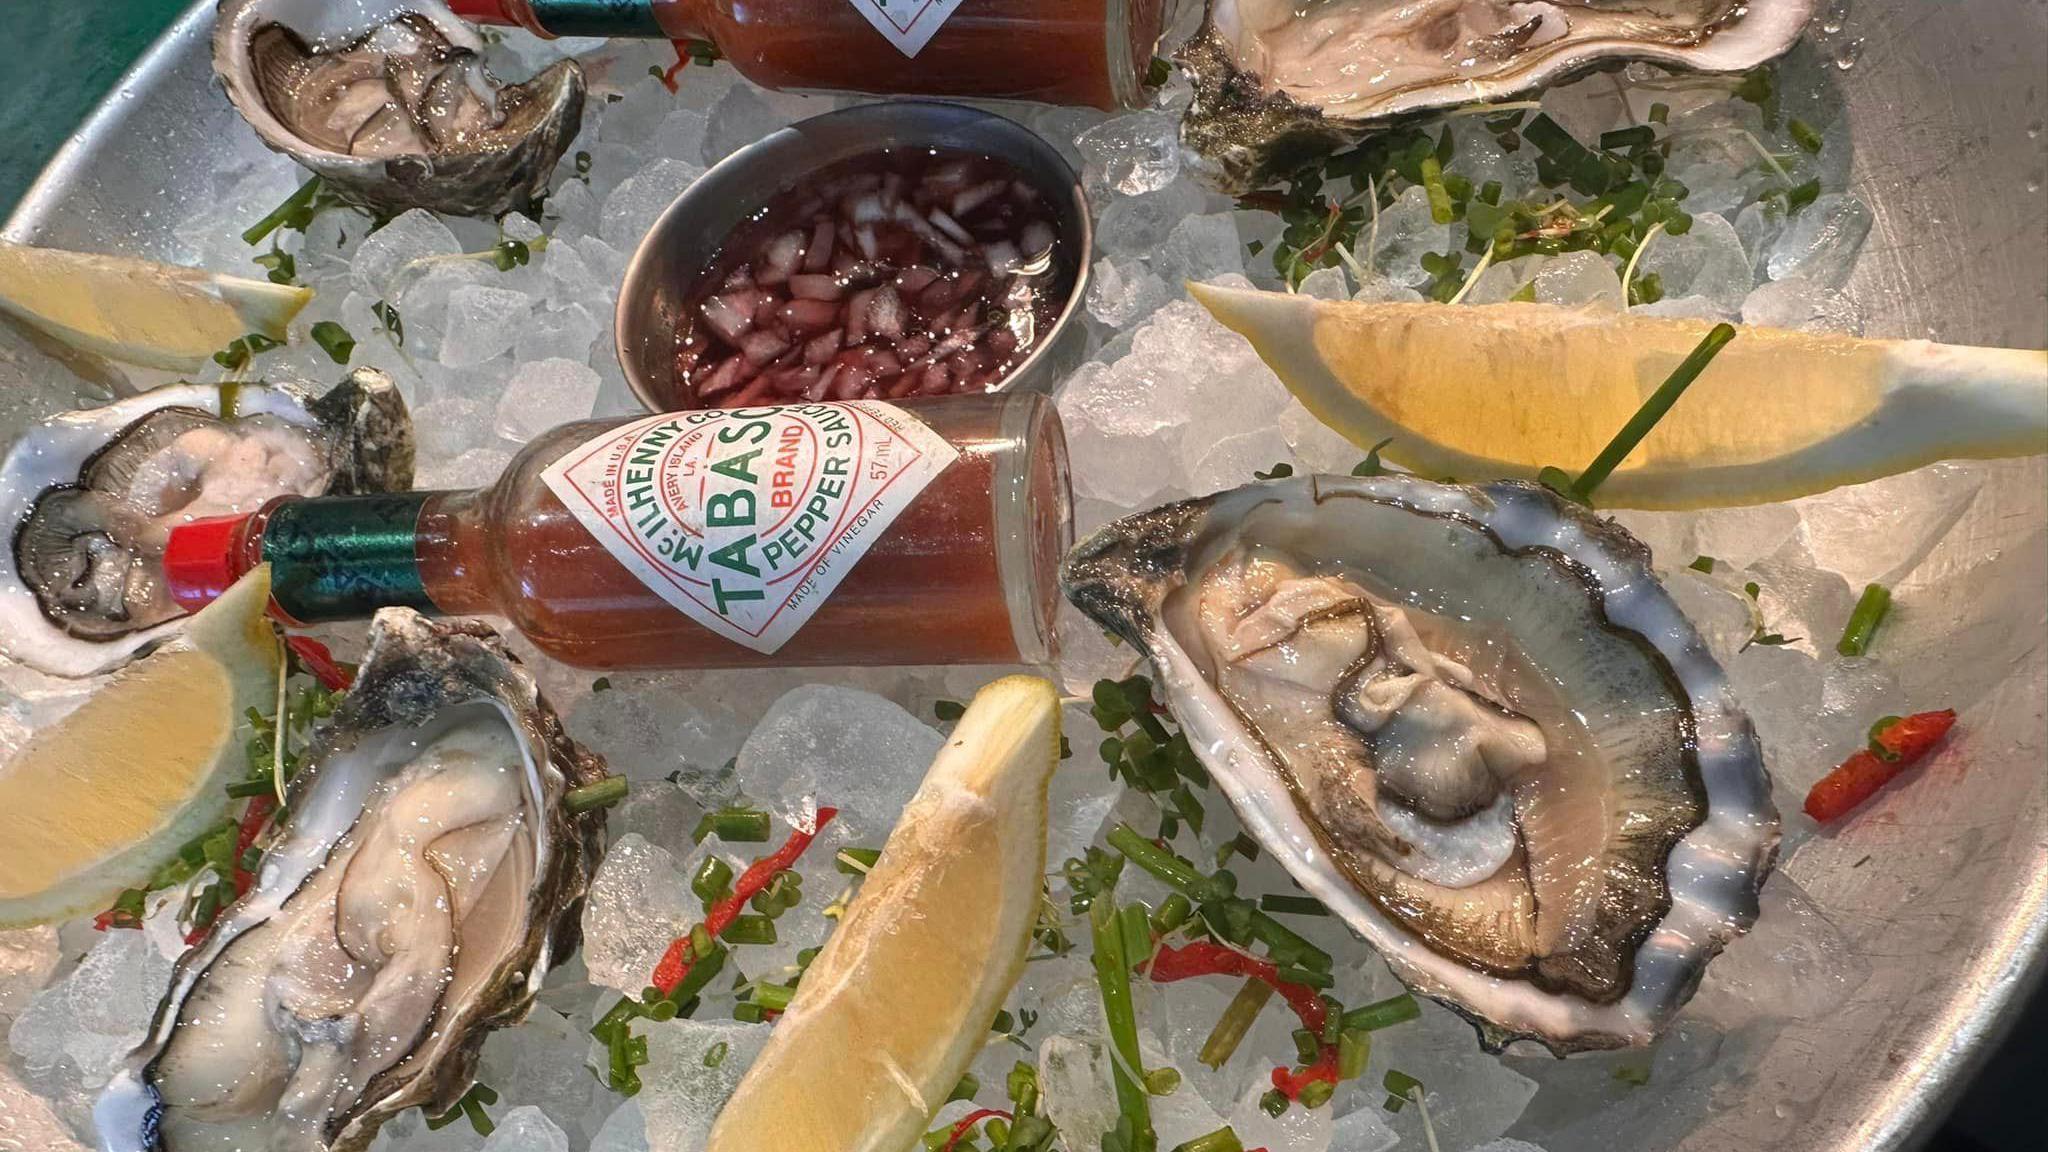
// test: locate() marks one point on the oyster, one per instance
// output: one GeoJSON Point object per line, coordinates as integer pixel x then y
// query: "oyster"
{"type": "Point", "coordinates": [1278, 82]}
{"type": "Point", "coordinates": [427, 877]}
{"type": "Point", "coordinates": [1470, 722]}
{"type": "Point", "coordinates": [89, 498]}
{"type": "Point", "coordinates": [402, 116]}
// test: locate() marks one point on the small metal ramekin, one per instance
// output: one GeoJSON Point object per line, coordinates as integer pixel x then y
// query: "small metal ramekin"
{"type": "Point", "coordinates": [674, 259]}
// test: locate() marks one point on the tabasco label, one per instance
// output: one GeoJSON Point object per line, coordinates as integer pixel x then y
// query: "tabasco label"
{"type": "Point", "coordinates": [746, 519]}
{"type": "Point", "coordinates": [908, 24]}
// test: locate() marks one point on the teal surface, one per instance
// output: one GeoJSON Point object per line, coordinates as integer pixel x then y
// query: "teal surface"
{"type": "Point", "coordinates": [69, 52]}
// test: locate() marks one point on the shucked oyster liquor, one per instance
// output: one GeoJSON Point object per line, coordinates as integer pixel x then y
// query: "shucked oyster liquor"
{"type": "Point", "coordinates": [427, 877]}
{"type": "Point", "coordinates": [404, 115]}
{"type": "Point", "coordinates": [1280, 81]}
{"type": "Point", "coordinates": [1471, 723]}
{"type": "Point", "coordinates": [89, 497]}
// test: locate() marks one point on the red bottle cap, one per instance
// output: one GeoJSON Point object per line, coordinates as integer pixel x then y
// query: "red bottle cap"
{"type": "Point", "coordinates": [202, 558]}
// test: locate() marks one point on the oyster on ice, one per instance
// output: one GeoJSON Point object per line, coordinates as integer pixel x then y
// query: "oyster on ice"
{"type": "Point", "coordinates": [89, 497]}
{"type": "Point", "coordinates": [404, 115]}
{"type": "Point", "coordinates": [428, 875]}
{"type": "Point", "coordinates": [1280, 81]}
{"type": "Point", "coordinates": [1470, 721]}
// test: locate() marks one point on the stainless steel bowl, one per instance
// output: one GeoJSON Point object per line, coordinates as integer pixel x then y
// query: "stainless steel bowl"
{"type": "Point", "coordinates": [676, 256]}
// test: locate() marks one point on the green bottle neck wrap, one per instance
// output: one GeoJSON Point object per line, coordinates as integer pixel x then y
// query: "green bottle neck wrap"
{"type": "Point", "coordinates": [596, 17]}
{"type": "Point", "coordinates": [344, 557]}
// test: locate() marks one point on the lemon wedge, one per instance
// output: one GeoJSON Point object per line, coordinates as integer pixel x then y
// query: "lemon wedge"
{"type": "Point", "coordinates": [103, 798]}
{"type": "Point", "coordinates": [1502, 390]}
{"type": "Point", "coordinates": [139, 311]}
{"type": "Point", "coordinates": [898, 1003]}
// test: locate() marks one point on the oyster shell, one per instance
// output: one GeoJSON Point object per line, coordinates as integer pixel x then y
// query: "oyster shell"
{"type": "Point", "coordinates": [427, 877]}
{"type": "Point", "coordinates": [404, 115]}
{"type": "Point", "coordinates": [1278, 82]}
{"type": "Point", "coordinates": [1470, 721]}
{"type": "Point", "coordinates": [88, 498]}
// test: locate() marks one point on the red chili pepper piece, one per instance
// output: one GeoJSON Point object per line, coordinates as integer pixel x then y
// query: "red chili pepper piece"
{"type": "Point", "coordinates": [320, 662]}
{"type": "Point", "coordinates": [1291, 1084]}
{"type": "Point", "coordinates": [1207, 958]}
{"type": "Point", "coordinates": [759, 875]}
{"type": "Point", "coordinates": [967, 1122]}
{"type": "Point", "coordinates": [253, 820]}
{"type": "Point", "coordinates": [1860, 776]}
{"type": "Point", "coordinates": [1908, 739]}
{"type": "Point", "coordinates": [668, 78]}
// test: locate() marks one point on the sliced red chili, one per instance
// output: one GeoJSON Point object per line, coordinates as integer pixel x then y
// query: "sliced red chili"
{"type": "Point", "coordinates": [759, 875]}
{"type": "Point", "coordinates": [1859, 777]}
{"type": "Point", "coordinates": [967, 1124]}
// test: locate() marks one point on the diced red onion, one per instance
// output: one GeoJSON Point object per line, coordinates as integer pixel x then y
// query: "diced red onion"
{"type": "Point", "coordinates": [730, 316]}
{"type": "Point", "coordinates": [816, 286]}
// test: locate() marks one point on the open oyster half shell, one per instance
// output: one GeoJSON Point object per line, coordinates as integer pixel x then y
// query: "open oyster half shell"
{"type": "Point", "coordinates": [1278, 82]}
{"type": "Point", "coordinates": [88, 499]}
{"type": "Point", "coordinates": [400, 115]}
{"type": "Point", "coordinates": [1471, 723]}
{"type": "Point", "coordinates": [427, 877]}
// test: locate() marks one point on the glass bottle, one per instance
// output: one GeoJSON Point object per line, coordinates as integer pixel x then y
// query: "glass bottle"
{"type": "Point", "coordinates": [1085, 52]}
{"type": "Point", "coordinates": [864, 533]}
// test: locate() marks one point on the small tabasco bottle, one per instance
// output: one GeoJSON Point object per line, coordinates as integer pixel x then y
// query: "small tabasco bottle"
{"type": "Point", "coordinates": [1093, 52]}
{"type": "Point", "coordinates": [926, 532]}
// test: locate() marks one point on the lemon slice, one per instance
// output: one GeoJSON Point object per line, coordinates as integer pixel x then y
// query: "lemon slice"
{"type": "Point", "coordinates": [103, 798]}
{"type": "Point", "coordinates": [1502, 390]}
{"type": "Point", "coordinates": [138, 311]}
{"type": "Point", "coordinates": [895, 1008]}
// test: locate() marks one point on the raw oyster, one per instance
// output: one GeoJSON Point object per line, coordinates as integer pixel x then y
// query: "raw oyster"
{"type": "Point", "coordinates": [404, 115]}
{"type": "Point", "coordinates": [427, 877]}
{"type": "Point", "coordinates": [1278, 82]}
{"type": "Point", "coordinates": [1468, 720]}
{"type": "Point", "coordinates": [88, 498]}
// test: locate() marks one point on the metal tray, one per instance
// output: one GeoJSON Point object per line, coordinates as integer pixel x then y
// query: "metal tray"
{"type": "Point", "coordinates": [1950, 911]}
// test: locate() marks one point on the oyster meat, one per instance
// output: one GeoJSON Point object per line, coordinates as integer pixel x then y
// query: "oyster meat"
{"type": "Point", "coordinates": [428, 875]}
{"type": "Point", "coordinates": [1279, 81]}
{"type": "Point", "coordinates": [404, 115]}
{"type": "Point", "coordinates": [1468, 720]}
{"type": "Point", "coordinates": [90, 498]}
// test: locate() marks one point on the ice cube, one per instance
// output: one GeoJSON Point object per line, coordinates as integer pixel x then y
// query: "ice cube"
{"type": "Point", "coordinates": [639, 902]}
{"type": "Point", "coordinates": [1378, 289]}
{"type": "Point", "coordinates": [526, 1129]}
{"type": "Point", "coordinates": [1504, 280]}
{"type": "Point", "coordinates": [1821, 241]}
{"type": "Point", "coordinates": [1130, 397]}
{"type": "Point", "coordinates": [1795, 964]}
{"type": "Point", "coordinates": [827, 745]}
{"type": "Point", "coordinates": [634, 118]}
{"type": "Point", "coordinates": [483, 321]}
{"type": "Point", "coordinates": [1133, 154]}
{"type": "Point", "coordinates": [1917, 508]}
{"type": "Point", "coordinates": [97, 1013]}
{"type": "Point", "coordinates": [650, 727]}
{"type": "Point", "coordinates": [1079, 1096]}
{"type": "Point", "coordinates": [1326, 284]}
{"type": "Point", "coordinates": [1798, 303]}
{"type": "Point", "coordinates": [1123, 293]}
{"type": "Point", "coordinates": [634, 205]}
{"type": "Point", "coordinates": [1363, 1129]}
{"type": "Point", "coordinates": [540, 1062]}
{"type": "Point", "coordinates": [543, 394]}
{"type": "Point", "coordinates": [1707, 261]}
{"type": "Point", "coordinates": [445, 429]}
{"type": "Point", "coordinates": [28, 958]}
{"type": "Point", "coordinates": [391, 256]}
{"type": "Point", "coordinates": [740, 118]}
{"type": "Point", "coordinates": [1505, 1144]}
{"type": "Point", "coordinates": [1129, 470]}
{"type": "Point", "coordinates": [1231, 461]}
{"type": "Point", "coordinates": [681, 134]}
{"type": "Point", "coordinates": [1472, 1096]}
{"type": "Point", "coordinates": [1394, 242]}
{"type": "Point", "coordinates": [625, 1130]}
{"type": "Point", "coordinates": [1082, 794]}
{"type": "Point", "coordinates": [686, 1081]}
{"type": "Point", "coordinates": [1758, 226]}
{"type": "Point", "coordinates": [1138, 225]}
{"type": "Point", "coordinates": [476, 468]}
{"type": "Point", "coordinates": [1295, 1130]}
{"type": "Point", "coordinates": [1316, 445]}
{"type": "Point", "coordinates": [573, 207]}
{"type": "Point", "coordinates": [1687, 308]}
{"type": "Point", "coordinates": [572, 281]}
{"type": "Point", "coordinates": [1200, 248]}
{"type": "Point", "coordinates": [566, 334]}
{"type": "Point", "coordinates": [1579, 279]}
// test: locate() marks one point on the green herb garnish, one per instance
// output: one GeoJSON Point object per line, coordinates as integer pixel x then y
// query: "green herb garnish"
{"type": "Point", "coordinates": [334, 340]}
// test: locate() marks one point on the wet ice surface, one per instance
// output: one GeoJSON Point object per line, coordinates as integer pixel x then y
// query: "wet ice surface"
{"type": "Point", "coordinates": [1170, 405]}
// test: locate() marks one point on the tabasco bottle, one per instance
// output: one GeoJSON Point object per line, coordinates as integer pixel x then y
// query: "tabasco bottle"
{"type": "Point", "coordinates": [864, 532]}
{"type": "Point", "coordinates": [1093, 52]}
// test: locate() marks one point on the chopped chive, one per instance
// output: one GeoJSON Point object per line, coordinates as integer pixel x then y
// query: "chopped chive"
{"type": "Point", "coordinates": [1113, 979]}
{"type": "Point", "coordinates": [1440, 209]}
{"type": "Point", "coordinates": [1236, 1020]}
{"type": "Point", "coordinates": [1870, 611]}
{"type": "Point", "coordinates": [1221, 1140]}
{"type": "Point", "coordinates": [1308, 1047]}
{"type": "Point", "coordinates": [1172, 912]}
{"type": "Point", "coordinates": [734, 825]}
{"type": "Point", "coordinates": [716, 1054]}
{"type": "Point", "coordinates": [1317, 1093]}
{"type": "Point", "coordinates": [1354, 1049]}
{"type": "Point", "coordinates": [1660, 113]}
{"type": "Point", "coordinates": [1646, 418]}
{"type": "Point", "coordinates": [1636, 1074]}
{"type": "Point", "coordinates": [334, 340]}
{"type": "Point", "coordinates": [602, 794]}
{"type": "Point", "coordinates": [1309, 977]}
{"type": "Point", "coordinates": [1803, 135]}
{"type": "Point", "coordinates": [1622, 139]}
{"type": "Point", "coordinates": [750, 929]}
{"type": "Point", "coordinates": [713, 881]}
{"type": "Point", "coordinates": [1702, 564]}
{"type": "Point", "coordinates": [1162, 1081]}
{"type": "Point", "coordinates": [1383, 1014]}
{"type": "Point", "coordinates": [1293, 905]}
{"type": "Point", "coordinates": [1802, 195]}
{"type": "Point", "coordinates": [947, 711]}
{"type": "Point", "coordinates": [856, 861]}
{"type": "Point", "coordinates": [1274, 1103]}
{"type": "Point", "coordinates": [1158, 72]}
{"type": "Point", "coordinates": [776, 998]}
{"type": "Point", "coordinates": [1399, 1085]}
{"type": "Point", "coordinates": [294, 205]}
